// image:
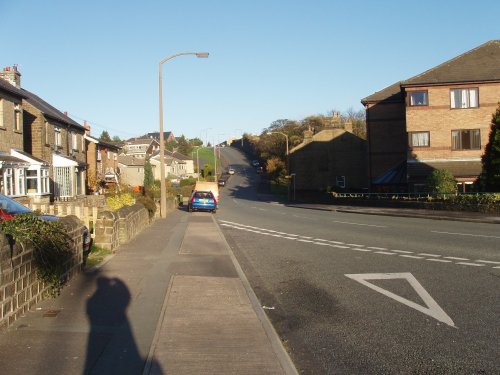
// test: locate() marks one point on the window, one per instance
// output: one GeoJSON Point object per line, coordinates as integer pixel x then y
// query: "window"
{"type": "Point", "coordinates": [418, 139]}
{"type": "Point", "coordinates": [8, 182]}
{"type": "Point", "coordinates": [17, 118]}
{"type": "Point", "coordinates": [464, 98]}
{"type": "Point", "coordinates": [340, 181]}
{"type": "Point", "coordinates": [99, 157]}
{"type": "Point", "coordinates": [1, 113]}
{"type": "Point", "coordinates": [57, 137]}
{"type": "Point", "coordinates": [20, 182]}
{"type": "Point", "coordinates": [46, 126]}
{"type": "Point", "coordinates": [466, 139]}
{"type": "Point", "coordinates": [74, 139]}
{"type": "Point", "coordinates": [32, 181]}
{"type": "Point", "coordinates": [45, 181]}
{"type": "Point", "coordinates": [418, 98]}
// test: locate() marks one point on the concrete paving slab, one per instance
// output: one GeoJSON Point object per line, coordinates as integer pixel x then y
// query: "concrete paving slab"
{"type": "Point", "coordinates": [210, 327]}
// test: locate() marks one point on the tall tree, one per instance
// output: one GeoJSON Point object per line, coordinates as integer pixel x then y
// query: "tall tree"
{"type": "Point", "coordinates": [105, 136]}
{"type": "Point", "coordinates": [490, 176]}
{"type": "Point", "coordinates": [148, 176]}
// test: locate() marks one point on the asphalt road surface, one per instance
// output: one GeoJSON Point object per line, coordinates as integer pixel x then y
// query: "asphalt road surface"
{"type": "Point", "coordinates": [363, 294]}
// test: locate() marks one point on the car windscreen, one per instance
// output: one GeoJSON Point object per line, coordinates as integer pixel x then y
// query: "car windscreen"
{"type": "Point", "coordinates": [202, 194]}
{"type": "Point", "coordinates": [12, 207]}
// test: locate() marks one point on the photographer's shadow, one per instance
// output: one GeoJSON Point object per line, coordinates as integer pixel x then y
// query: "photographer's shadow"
{"type": "Point", "coordinates": [111, 348]}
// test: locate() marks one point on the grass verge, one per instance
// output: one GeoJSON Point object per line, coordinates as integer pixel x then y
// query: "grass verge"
{"type": "Point", "coordinates": [96, 256]}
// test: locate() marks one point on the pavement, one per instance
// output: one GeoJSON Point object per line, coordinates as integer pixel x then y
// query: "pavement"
{"type": "Point", "coordinates": [174, 300]}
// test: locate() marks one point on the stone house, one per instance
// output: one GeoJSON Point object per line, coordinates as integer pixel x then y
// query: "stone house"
{"type": "Point", "coordinates": [167, 136]}
{"type": "Point", "coordinates": [334, 158]}
{"type": "Point", "coordinates": [141, 147]}
{"type": "Point", "coordinates": [439, 119]}
{"type": "Point", "coordinates": [177, 165]}
{"type": "Point", "coordinates": [131, 170]}
{"type": "Point", "coordinates": [102, 159]}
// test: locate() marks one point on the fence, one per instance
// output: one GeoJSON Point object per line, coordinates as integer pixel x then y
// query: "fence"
{"type": "Point", "coordinates": [88, 215]}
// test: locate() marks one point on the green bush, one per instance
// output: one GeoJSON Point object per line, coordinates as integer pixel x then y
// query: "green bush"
{"type": "Point", "coordinates": [117, 201]}
{"type": "Point", "coordinates": [442, 181]}
{"type": "Point", "coordinates": [51, 246]}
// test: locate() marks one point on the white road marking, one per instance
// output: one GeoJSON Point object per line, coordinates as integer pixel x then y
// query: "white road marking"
{"type": "Point", "coordinates": [321, 243]}
{"type": "Point", "coordinates": [365, 225]}
{"type": "Point", "coordinates": [411, 256]}
{"type": "Point", "coordinates": [365, 250]}
{"type": "Point", "coordinates": [429, 255]}
{"type": "Point", "coordinates": [376, 248]}
{"type": "Point", "coordinates": [301, 240]}
{"type": "Point", "coordinates": [439, 260]}
{"type": "Point", "coordinates": [487, 261]}
{"type": "Point", "coordinates": [353, 244]}
{"type": "Point", "coordinates": [471, 264]}
{"type": "Point", "coordinates": [403, 251]}
{"type": "Point", "coordinates": [455, 258]}
{"type": "Point", "coordinates": [497, 267]}
{"type": "Point", "coordinates": [432, 309]}
{"type": "Point", "coordinates": [465, 234]}
{"type": "Point", "coordinates": [384, 253]}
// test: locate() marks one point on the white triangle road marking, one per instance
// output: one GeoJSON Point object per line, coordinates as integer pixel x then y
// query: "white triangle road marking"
{"type": "Point", "coordinates": [432, 308]}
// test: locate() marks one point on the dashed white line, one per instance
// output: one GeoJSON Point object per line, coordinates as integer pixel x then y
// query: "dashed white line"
{"type": "Point", "coordinates": [471, 264]}
{"type": "Point", "coordinates": [365, 250]}
{"type": "Point", "coordinates": [429, 255]}
{"type": "Point", "coordinates": [487, 261]}
{"type": "Point", "coordinates": [439, 260]}
{"type": "Point", "coordinates": [456, 258]}
{"type": "Point", "coordinates": [354, 244]}
{"type": "Point", "coordinates": [402, 251]}
{"type": "Point", "coordinates": [302, 240]}
{"type": "Point", "coordinates": [365, 225]}
{"type": "Point", "coordinates": [465, 234]}
{"type": "Point", "coordinates": [384, 253]}
{"type": "Point", "coordinates": [376, 248]}
{"type": "Point", "coordinates": [410, 256]}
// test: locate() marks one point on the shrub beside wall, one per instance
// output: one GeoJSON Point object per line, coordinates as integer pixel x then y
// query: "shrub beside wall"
{"type": "Point", "coordinates": [20, 288]}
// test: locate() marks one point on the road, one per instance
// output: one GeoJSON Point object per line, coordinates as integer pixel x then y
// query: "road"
{"type": "Point", "coordinates": [363, 294]}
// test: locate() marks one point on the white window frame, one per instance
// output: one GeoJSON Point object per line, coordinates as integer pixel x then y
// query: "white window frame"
{"type": "Point", "coordinates": [419, 139]}
{"type": "Point", "coordinates": [18, 118]}
{"type": "Point", "coordinates": [2, 124]}
{"type": "Point", "coordinates": [464, 98]}
{"type": "Point", "coordinates": [412, 98]}
{"type": "Point", "coordinates": [74, 141]}
{"type": "Point", "coordinates": [57, 137]}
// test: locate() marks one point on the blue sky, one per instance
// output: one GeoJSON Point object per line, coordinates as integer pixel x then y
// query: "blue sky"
{"type": "Point", "coordinates": [269, 59]}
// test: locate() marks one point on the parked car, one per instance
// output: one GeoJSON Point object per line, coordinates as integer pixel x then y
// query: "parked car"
{"type": "Point", "coordinates": [255, 163]}
{"type": "Point", "coordinates": [221, 182]}
{"type": "Point", "coordinates": [231, 171]}
{"type": "Point", "coordinates": [202, 201]}
{"type": "Point", "coordinates": [10, 208]}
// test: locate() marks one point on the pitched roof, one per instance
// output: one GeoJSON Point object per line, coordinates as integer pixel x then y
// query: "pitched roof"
{"type": "Point", "coordinates": [131, 161]}
{"type": "Point", "coordinates": [141, 141]}
{"type": "Point", "coordinates": [11, 89]}
{"type": "Point", "coordinates": [49, 110]}
{"type": "Point", "coordinates": [391, 93]}
{"type": "Point", "coordinates": [481, 64]}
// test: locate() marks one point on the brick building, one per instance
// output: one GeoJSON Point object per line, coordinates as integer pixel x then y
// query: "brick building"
{"type": "Point", "coordinates": [439, 119]}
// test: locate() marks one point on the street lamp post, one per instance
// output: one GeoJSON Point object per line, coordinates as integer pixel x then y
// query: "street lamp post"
{"type": "Point", "coordinates": [163, 187]}
{"type": "Point", "coordinates": [287, 155]}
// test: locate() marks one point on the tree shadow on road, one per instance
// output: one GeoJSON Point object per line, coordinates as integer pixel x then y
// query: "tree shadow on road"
{"type": "Point", "coordinates": [111, 347]}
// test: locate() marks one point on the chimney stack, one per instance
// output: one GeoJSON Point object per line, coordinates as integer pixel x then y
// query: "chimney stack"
{"type": "Point", "coordinates": [12, 76]}
{"type": "Point", "coordinates": [87, 127]}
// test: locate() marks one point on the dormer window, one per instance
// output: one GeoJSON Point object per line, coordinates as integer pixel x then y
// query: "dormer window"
{"type": "Point", "coordinates": [418, 98]}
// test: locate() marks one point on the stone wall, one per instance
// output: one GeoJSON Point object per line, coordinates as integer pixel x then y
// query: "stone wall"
{"type": "Point", "coordinates": [118, 227]}
{"type": "Point", "coordinates": [20, 288]}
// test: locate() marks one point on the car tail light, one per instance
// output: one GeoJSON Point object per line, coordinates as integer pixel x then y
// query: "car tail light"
{"type": "Point", "coordinates": [192, 200]}
{"type": "Point", "coordinates": [215, 200]}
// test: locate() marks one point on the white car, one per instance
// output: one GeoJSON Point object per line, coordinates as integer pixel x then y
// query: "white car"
{"type": "Point", "coordinates": [231, 171]}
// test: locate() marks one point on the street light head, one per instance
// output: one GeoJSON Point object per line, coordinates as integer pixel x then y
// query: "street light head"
{"type": "Point", "coordinates": [201, 54]}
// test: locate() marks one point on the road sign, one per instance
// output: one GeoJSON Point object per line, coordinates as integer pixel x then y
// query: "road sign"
{"type": "Point", "coordinates": [431, 309]}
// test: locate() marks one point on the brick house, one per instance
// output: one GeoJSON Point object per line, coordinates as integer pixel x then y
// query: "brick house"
{"type": "Point", "coordinates": [439, 119]}
{"type": "Point", "coordinates": [102, 159]}
{"type": "Point", "coordinates": [333, 158]}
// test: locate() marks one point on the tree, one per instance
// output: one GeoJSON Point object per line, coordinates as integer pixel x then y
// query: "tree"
{"type": "Point", "coordinates": [148, 176]}
{"type": "Point", "coordinates": [116, 139]}
{"type": "Point", "coordinates": [442, 181]}
{"type": "Point", "coordinates": [275, 168]}
{"type": "Point", "coordinates": [490, 176]}
{"type": "Point", "coordinates": [105, 136]}
{"type": "Point", "coordinates": [184, 147]}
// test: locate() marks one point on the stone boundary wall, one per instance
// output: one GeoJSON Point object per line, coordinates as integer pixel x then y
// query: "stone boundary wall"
{"type": "Point", "coordinates": [20, 289]}
{"type": "Point", "coordinates": [114, 228]}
